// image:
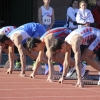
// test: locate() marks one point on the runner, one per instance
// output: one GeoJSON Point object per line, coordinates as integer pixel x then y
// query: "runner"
{"type": "Point", "coordinates": [47, 40]}
{"type": "Point", "coordinates": [86, 35]}
{"type": "Point", "coordinates": [18, 37]}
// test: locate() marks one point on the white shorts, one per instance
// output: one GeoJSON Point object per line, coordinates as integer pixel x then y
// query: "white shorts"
{"type": "Point", "coordinates": [24, 34]}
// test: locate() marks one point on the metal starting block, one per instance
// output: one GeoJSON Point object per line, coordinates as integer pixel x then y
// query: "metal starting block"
{"type": "Point", "coordinates": [73, 76]}
{"type": "Point", "coordinates": [6, 64]}
{"type": "Point", "coordinates": [87, 79]}
{"type": "Point", "coordinates": [93, 77]}
{"type": "Point", "coordinates": [89, 82]}
{"type": "Point", "coordinates": [43, 72]}
{"type": "Point", "coordinates": [19, 69]}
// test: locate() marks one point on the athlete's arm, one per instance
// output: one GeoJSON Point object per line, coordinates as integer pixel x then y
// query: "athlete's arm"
{"type": "Point", "coordinates": [77, 55]}
{"type": "Point", "coordinates": [18, 44]}
{"type": "Point", "coordinates": [48, 41]}
{"type": "Point", "coordinates": [38, 61]}
{"type": "Point", "coordinates": [11, 56]}
{"type": "Point", "coordinates": [52, 20]}
{"type": "Point", "coordinates": [66, 65]}
{"type": "Point", "coordinates": [39, 15]}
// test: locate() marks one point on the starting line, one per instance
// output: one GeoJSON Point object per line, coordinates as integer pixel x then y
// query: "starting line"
{"type": "Point", "coordinates": [87, 79]}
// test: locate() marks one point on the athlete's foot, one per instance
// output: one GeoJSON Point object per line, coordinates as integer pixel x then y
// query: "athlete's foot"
{"type": "Point", "coordinates": [9, 71]}
{"type": "Point", "coordinates": [99, 82]}
{"type": "Point", "coordinates": [50, 80]}
{"type": "Point", "coordinates": [46, 72]}
{"type": "Point", "coordinates": [70, 71]}
{"type": "Point", "coordinates": [83, 69]}
{"type": "Point", "coordinates": [32, 76]}
{"type": "Point", "coordinates": [22, 74]}
{"type": "Point", "coordinates": [79, 84]}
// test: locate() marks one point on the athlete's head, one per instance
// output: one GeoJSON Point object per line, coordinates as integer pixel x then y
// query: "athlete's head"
{"type": "Point", "coordinates": [46, 2]}
{"type": "Point", "coordinates": [34, 44]}
{"type": "Point", "coordinates": [59, 46]}
{"type": "Point", "coordinates": [74, 3]}
{"type": "Point", "coordinates": [83, 5]}
{"type": "Point", "coordinates": [5, 41]}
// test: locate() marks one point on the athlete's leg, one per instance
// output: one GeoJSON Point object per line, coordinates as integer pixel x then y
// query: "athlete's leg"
{"type": "Point", "coordinates": [17, 39]}
{"type": "Point", "coordinates": [89, 58]}
{"type": "Point", "coordinates": [45, 60]}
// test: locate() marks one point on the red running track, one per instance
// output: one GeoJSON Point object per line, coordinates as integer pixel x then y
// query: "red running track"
{"type": "Point", "coordinates": [13, 87]}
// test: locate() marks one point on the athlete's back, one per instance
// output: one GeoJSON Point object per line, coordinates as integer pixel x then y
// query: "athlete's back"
{"type": "Point", "coordinates": [59, 32]}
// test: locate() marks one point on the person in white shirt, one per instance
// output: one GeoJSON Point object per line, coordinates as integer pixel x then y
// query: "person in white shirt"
{"type": "Point", "coordinates": [46, 15]}
{"type": "Point", "coordinates": [71, 14]}
{"type": "Point", "coordinates": [84, 16]}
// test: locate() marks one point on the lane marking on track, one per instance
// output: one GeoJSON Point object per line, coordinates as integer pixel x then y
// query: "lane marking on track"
{"type": "Point", "coordinates": [89, 96]}
{"type": "Point", "coordinates": [46, 89]}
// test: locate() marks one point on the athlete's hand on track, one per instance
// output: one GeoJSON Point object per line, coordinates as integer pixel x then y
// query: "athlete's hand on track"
{"type": "Point", "coordinates": [61, 80]}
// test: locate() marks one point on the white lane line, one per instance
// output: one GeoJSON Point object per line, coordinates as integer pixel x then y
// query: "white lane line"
{"type": "Point", "coordinates": [89, 96]}
{"type": "Point", "coordinates": [21, 82]}
{"type": "Point", "coordinates": [92, 89]}
{"type": "Point", "coordinates": [41, 89]}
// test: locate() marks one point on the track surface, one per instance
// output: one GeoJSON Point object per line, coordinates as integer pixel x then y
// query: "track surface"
{"type": "Point", "coordinates": [13, 87]}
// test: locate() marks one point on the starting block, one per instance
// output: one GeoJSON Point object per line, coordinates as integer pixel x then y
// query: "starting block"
{"type": "Point", "coordinates": [89, 82]}
{"type": "Point", "coordinates": [6, 64]}
{"type": "Point", "coordinates": [87, 79]}
{"type": "Point", "coordinates": [93, 77]}
{"type": "Point", "coordinates": [73, 76]}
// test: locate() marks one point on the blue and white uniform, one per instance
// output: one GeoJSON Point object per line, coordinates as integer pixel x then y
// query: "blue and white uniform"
{"type": "Point", "coordinates": [84, 16]}
{"type": "Point", "coordinates": [90, 35]}
{"type": "Point", "coordinates": [59, 33]}
{"type": "Point", "coordinates": [46, 16]}
{"type": "Point", "coordinates": [28, 30]}
{"type": "Point", "coordinates": [71, 14]}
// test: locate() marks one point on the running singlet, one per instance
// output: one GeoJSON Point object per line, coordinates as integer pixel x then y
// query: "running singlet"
{"type": "Point", "coordinates": [90, 35]}
{"type": "Point", "coordinates": [59, 33]}
{"type": "Point", "coordinates": [46, 16]}
{"type": "Point", "coordinates": [7, 29]}
{"type": "Point", "coordinates": [29, 30]}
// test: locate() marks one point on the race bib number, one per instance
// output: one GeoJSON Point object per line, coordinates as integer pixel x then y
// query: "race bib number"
{"type": "Point", "coordinates": [46, 20]}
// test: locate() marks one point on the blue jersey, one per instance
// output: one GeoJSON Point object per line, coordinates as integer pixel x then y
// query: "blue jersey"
{"type": "Point", "coordinates": [29, 30]}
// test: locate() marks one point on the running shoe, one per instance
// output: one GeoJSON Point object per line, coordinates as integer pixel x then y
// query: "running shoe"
{"type": "Point", "coordinates": [99, 79]}
{"type": "Point", "coordinates": [70, 71]}
{"type": "Point", "coordinates": [17, 65]}
{"type": "Point", "coordinates": [83, 69]}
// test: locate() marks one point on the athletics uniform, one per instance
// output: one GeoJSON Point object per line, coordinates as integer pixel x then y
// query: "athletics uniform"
{"type": "Point", "coordinates": [59, 33]}
{"type": "Point", "coordinates": [90, 35]}
{"type": "Point", "coordinates": [46, 16]}
{"type": "Point", "coordinates": [84, 16]}
{"type": "Point", "coordinates": [7, 29]}
{"type": "Point", "coordinates": [71, 14]}
{"type": "Point", "coordinates": [28, 30]}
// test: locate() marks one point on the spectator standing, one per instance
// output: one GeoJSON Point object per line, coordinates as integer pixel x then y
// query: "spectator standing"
{"type": "Point", "coordinates": [71, 14]}
{"type": "Point", "coordinates": [46, 15]}
{"type": "Point", "coordinates": [84, 15]}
